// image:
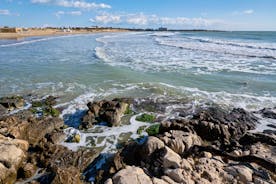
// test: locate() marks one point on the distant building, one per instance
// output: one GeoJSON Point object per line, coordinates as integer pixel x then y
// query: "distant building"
{"type": "Point", "coordinates": [162, 29]}
{"type": "Point", "coordinates": [10, 30]}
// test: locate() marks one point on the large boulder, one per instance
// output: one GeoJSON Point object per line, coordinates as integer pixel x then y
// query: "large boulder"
{"type": "Point", "coordinates": [180, 141]}
{"type": "Point", "coordinates": [30, 129]}
{"type": "Point", "coordinates": [133, 175]}
{"type": "Point", "coordinates": [170, 158]}
{"type": "Point", "coordinates": [104, 111]}
{"type": "Point", "coordinates": [151, 145]}
{"type": "Point", "coordinates": [12, 156]}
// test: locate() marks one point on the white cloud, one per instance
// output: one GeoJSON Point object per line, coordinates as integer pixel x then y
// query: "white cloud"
{"type": "Point", "coordinates": [107, 18]}
{"type": "Point", "coordinates": [139, 19]}
{"type": "Point", "coordinates": [73, 13]}
{"type": "Point", "coordinates": [8, 13]}
{"type": "Point", "coordinates": [244, 12]}
{"type": "Point", "coordinates": [73, 4]}
{"type": "Point", "coordinates": [5, 12]}
{"type": "Point", "coordinates": [143, 20]}
{"type": "Point", "coordinates": [248, 12]}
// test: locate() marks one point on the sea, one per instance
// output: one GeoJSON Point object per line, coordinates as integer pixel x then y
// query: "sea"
{"type": "Point", "coordinates": [229, 69]}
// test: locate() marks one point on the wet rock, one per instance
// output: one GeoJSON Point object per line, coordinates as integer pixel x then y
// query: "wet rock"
{"type": "Point", "coordinates": [268, 113]}
{"type": "Point", "coordinates": [252, 138]}
{"type": "Point", "coordinates": [104, 111]}
{"type": "Point", "coordinates": [12, 102]}
{"type": "Point", "coordinates": [134, 175]}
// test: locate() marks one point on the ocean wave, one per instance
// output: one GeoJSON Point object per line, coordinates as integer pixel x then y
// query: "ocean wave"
{"type": "Point", "coordinates": [144, 53]}
{"type": "Point", "coordinates": [237, 43]}
{"type": "Point", "coordinates": [221, 47]}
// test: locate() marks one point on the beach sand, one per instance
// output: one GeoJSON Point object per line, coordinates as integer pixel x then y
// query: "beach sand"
{"type": "Point", "coordinates": [53, 32]}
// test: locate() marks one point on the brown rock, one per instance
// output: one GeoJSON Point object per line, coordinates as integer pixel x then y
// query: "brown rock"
{"type": "Point", "coordinates": [68, 175]}
{"type": "Point", "coordinates": [133, 175]}
{"type": "Point", "coordinates": [11, 158]}
{"type": "Point", "coordinates": [171, 159]}
{"type": "Point", "coordinates": [104, 111]}
{"type": "Point", "coordinates": [29, 170]}
{"type": "Point", "coordinates": [151, 145]}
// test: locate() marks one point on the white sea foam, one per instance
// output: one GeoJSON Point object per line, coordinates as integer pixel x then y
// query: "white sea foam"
{"type": "Point", "coordinates": [105, 137]}
{"type": "Point", "coordinates": [176, 53]}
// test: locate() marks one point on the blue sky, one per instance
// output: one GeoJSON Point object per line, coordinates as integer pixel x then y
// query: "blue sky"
{"type": "Point", "coordinates": [178, 14]}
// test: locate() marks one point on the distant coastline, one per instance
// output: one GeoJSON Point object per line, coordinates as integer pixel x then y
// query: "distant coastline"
{"type": "Point", "coordinates": [17, 33]}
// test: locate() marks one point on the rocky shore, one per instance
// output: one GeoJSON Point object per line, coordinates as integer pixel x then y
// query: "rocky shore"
{"type": "Point", "coordinates": [203, 145]}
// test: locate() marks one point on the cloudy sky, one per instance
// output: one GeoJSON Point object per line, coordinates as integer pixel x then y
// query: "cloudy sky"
{"type": "Point", "coordinates": [177, 14]}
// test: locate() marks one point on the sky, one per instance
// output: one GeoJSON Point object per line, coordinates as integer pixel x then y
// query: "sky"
{"type": "Point", "coordinates": [174, 14]}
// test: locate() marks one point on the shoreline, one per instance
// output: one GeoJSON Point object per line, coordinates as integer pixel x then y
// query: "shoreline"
{"type": "Point", "coordinates": [32, 33]}
{"type": "Point", "coordinates": [213, 146]}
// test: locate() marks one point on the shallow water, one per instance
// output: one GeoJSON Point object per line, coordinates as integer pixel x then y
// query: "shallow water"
{"type": "Point", "coordinates": [232, 69]}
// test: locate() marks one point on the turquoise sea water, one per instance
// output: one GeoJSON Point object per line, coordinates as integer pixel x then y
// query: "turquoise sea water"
{"type": "Point", "coordinates": [229, 68]}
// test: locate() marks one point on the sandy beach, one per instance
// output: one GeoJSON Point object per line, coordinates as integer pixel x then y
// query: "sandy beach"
{"type": "Point", "coordinates": [53, 32]}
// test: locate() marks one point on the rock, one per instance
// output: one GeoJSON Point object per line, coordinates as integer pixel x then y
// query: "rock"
{"type": "Point", "coordinates": [29, 170]}
{"type": "Point", "coordinates": [12, 102]}
{"type": "Point", "coordinates": [69, 175]}
{"type": "Point", "coordinates": [175, 174]}
{"type": "Point", "coordinates": [264, 151]}
{"type": "Point", "coordinates": [108, 181]}
{"type": "Point", "coordinates": [57, 137]}
{"type": "Point", "coordinates": [104, 111]}
{"type": "Point", "coordinates": [171, 159]}
{"type": "Point", "coordinates": [60, 156]}
{"type": "Point", "coordinates": [158, 181]}
{"type": "Point", "coordinates": [2, 110]}
{"type": "Point", "coordinates": [180, 141]}
{"type": "Point", "coordinates": [168, 180]}
{"type": "Point", "coordinates": [38, 129]}
{"type": "Point", "coordinates": [207, 154]}
{"type": "Point", "coordinates": [251, 138]}
{"type": "Point", "coordinates": [151, 145]}
{"type": "Point", "coordinates": [268, 113]}
{"type": "Point", "coordinates": [258, 180]}
{"type": "Point", "coordinates": [243, 173]}
{"type": "Point", "coordinates": [236, 152]}
{"type": "Point", "coordinates": [29, 128]}
{"type": "Point", "coordinates": [133, 175]}
{"type": "Point", "coordinates": [186, 165]}
{"type": "Point", "coordinates": [11, 159]}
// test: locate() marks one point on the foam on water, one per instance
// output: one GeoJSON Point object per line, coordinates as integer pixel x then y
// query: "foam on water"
{"type": "Point", "coordinates": [105, 137]}
{"type": "Point", "coordinates": [174, 52]}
